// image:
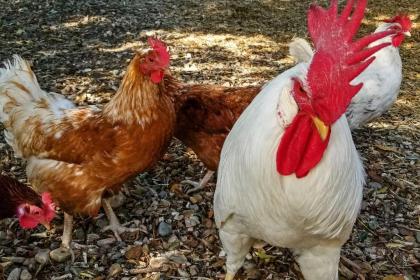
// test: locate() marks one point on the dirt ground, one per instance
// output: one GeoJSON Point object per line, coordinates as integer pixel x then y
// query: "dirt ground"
{"type": "Point", "coordinates": [81, 48]}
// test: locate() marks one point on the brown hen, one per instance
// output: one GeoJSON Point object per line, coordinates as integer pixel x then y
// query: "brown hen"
{"type": "Point", "coordinates": [80, 155]}
{"type": "Point", "coordinates": [205, 115]}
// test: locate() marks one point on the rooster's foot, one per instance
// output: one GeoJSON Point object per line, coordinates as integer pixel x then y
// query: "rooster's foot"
{"type": "Point", "coordinates": [229, 276]}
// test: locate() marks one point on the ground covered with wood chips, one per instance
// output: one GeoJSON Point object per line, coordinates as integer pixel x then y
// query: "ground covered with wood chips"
{"type": "Point", "coordinates": [81, 49]}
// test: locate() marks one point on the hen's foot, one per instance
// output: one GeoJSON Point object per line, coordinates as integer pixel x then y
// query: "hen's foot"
{"type": "Point", "coordinates": [197, 186]}
{"type": "Point", "coordinates": [61, 254]}
{"type": "Point", "coordinates": [114, 223]}
{"type": "Point", "coordinates": [119, 229]}
{"type": "Point", "coordinates": [64, 252]}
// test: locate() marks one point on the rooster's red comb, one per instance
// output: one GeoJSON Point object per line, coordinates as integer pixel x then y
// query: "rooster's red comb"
{"type": "Point", "coordinates": [403, 20]}
{"type": "Point", "coordinates": [338, 60]}
{"type": "Point", "coordinates": [161, 49]}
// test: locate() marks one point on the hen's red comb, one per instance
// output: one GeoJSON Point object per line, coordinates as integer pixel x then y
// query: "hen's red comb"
{"type": "Point", "coordinates": [338, 60]}
{"type": "Point", "coordinates": [161, 50]}
{"type": "Point", "coordinates": [403, 20]}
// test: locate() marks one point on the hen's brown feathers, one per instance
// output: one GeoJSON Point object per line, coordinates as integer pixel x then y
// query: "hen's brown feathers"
{"type": "Point", "coordinates": [205, 115]}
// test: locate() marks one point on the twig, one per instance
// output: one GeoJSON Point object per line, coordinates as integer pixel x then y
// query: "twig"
{"type": "Point", "coordinates": [351, 263]}
{"type": "Point", "coordinates": [366, 226]}
{"type": "Point", "coordinates": [408, 228]}
{"type": "Point", "coordinates": [65, 276]}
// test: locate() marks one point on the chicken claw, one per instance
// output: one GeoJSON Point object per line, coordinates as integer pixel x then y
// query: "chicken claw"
{"type": "Point", "coordinates": [199, 185]}
{"type": "Point", "coordinates": [114, 223]}
{"type": "Point", "coordinates": [64, 251]}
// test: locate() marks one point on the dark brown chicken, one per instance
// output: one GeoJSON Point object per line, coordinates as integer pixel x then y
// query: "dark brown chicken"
{"type": "Point", "coordinates": [17, 199]}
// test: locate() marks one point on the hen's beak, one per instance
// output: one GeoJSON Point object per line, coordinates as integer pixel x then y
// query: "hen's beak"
{"type": "Point", "coordinates": [46, 225]}
{"type": "Point", "coordinates": [407, 33]}
{"type": "Point", "coordinates": [322, 128]}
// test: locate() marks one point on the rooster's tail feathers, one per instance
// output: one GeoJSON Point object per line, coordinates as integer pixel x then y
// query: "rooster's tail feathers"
{"type": "Point", "coordinates": [300, 50]}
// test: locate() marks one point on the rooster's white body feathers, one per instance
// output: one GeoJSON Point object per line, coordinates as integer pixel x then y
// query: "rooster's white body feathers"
{"type": "Point", "coordinates": [311, 215]}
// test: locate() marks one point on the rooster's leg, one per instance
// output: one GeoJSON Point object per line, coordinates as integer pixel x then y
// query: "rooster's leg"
{"type": "Point", "coordinates": [319, 262]}
{"type": "Point", "coordinates": [65, 250]}
{"type": "Point", "coordinates": [114, 223]}
{"type": "Point", "coordinates": [236, 247]}
{"type": "Point", "coordinates": [199, 185]}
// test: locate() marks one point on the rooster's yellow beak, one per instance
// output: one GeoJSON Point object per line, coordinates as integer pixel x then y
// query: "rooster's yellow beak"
{"type": "Point", "coordinates": [322, 128]}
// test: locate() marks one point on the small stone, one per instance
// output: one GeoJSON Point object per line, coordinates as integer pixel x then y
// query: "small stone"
{"type": "Point", "coordinates": [134, 253]}
{"type": "Point", "coordinates": [106, 242]}
{"type": "Point", "coordinates": [196, 198]}
{"type": "Point", "coordinates": [101, 223]}
{"type": "Point", "coordinates": [114, 270]}
{"type": "Point", "coordinates": [418, 236]}
{"type": "Point", "coordinates": [375, 185]}
{"type": "Point", "coordinates": [29, 261]}
{"type": "Point", "coordinates": [193, 270]}
{"type": "Point", "coordinates": [157, 262]}
{"type": "Point", "coordinates": [192, 221]}
{"type": "Point", "coordinates": [410, 238]}
{"type": "Point", "coordinates": [14, 274]}
{"type": "Point", "coordinates": [164, 229]}
{"type": "Point", "coordinates": [25, 275]}
{"type": "Point", "coordinates": [22, 251]}
{"type": "Point", "coordinates": [178, 258]}
{"type": "Point", "coordinates": [116, 256]}
{"type": "Point", "coordinates": [43, 256]}
{"type": "Point", "coordinates": [60, 254]}
{"type": "Point", "coordinates": [373, 224]}
{"type": "Point", "coordinates": [183, 273]}
{"type": "Point", "coordinates": [3, 235]}
{"type": "Point", "coordinates": [79, 234]}
{"type": "Point", "coordinates": [163, 194]}
{"type": "Point", "coordinates": [18, 260]}
{"type": "Point", "coordinates": [92, 237]}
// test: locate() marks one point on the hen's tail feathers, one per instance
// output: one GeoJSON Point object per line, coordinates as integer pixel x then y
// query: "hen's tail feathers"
{"type": "Point", "coordinates": [23, 103]}
{"type": "Point", "coordinates": [18, 84]}
{"type": "Point", "coordinates": [300, 50]}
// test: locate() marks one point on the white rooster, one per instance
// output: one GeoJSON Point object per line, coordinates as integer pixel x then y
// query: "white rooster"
{"type": "Point", "coordinates": [289, 172]}
{"type": "Point", "coordinates": [381, 80]}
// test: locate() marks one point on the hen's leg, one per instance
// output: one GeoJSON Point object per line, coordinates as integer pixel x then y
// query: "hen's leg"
{"type": "Point", "coordinates": [236, 247]}
{"type": "Point", "coordinates": [319, 262]}
{"type": "Point", "coordinates": [65, 250]}
{"type": "Point", "coordinates": [199, 185]}
{"type": "Point", "coordinates": [114, 223]}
